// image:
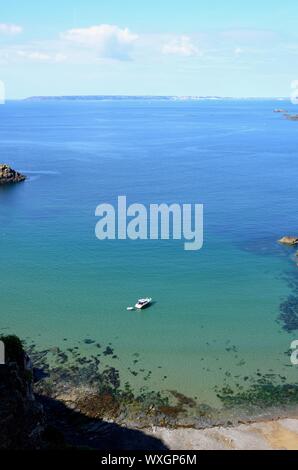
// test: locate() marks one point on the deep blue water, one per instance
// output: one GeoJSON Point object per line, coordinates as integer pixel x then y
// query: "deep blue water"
{"type": "Point", "coordinates": [57, 281]}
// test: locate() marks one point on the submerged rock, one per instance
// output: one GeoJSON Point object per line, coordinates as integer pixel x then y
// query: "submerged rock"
{"type": "Point", "coordinates": [291, 117]}
{"type": "Point", "coordinates": [290, 241]}
{"type": "Point", "coordinates": [8, 175]}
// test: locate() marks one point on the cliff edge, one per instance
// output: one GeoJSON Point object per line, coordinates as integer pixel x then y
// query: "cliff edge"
{"type": "Point", "coordinates": [21, 416]}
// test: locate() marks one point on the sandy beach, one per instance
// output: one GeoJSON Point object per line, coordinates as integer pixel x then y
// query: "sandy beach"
{"type": "Point", "coordinates": [268, 435]}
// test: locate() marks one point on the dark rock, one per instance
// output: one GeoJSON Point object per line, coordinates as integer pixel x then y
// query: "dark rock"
{"type": "Point", "coordinates": [21, 416]}
{"type": "Point", "coordinates": [89, 341]}
{"type": "Point", "coordinates": [8, 175]}
{"type": "Point", "coordinates": [291, 117]}
{"type": "Point", "coordinates": [108, 351]}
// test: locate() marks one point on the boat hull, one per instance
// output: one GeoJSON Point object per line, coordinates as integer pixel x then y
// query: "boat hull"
{"type": "Point", "coordinates": [141, 306]}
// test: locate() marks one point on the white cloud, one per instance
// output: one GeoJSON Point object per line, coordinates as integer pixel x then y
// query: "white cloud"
{"type": "Point", "coordinates": [38, 56]}
{"type": "Point", "coordinates": [181, 46]}
{"type": "Point", "coordinates": [10, 29]}
{"type": "Point", "coordinates": [110, 41]}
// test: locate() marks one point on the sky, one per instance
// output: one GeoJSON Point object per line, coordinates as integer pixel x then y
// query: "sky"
{"type": "Point", "coordinates": [149, 47]}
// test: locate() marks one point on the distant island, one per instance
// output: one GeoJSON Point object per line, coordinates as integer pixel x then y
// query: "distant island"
{"type": "Point", "coordinates": [121, 97]}
{"type": "Point", "coordinates": [291, 117]}
{"type": "Point", "coordinates": [139, 97]}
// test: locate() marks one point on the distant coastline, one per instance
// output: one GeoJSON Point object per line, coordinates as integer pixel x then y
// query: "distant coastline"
{"type": "Point", "coordinates": [144, 97]}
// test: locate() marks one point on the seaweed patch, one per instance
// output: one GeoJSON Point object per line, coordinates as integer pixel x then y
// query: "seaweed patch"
{"type": "Point", "coordinates": [289, 314]}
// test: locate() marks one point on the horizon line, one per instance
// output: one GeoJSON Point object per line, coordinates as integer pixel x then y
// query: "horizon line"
{"type": "Point", "coordinates": [147, 96]}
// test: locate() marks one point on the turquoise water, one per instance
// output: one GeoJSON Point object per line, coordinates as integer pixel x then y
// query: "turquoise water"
{"type": "Point", "coordinates": [59, 282]}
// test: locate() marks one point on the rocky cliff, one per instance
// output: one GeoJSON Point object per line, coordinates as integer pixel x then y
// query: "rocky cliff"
{"type": "Point", "coordinates": [21, 416]}
{"type": "Point", "coordinates": [8, 175]}
{"type": "Point", "coordinates": [35, 421]}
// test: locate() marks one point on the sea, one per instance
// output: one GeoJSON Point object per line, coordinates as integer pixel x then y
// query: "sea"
{"type": "Point", "coordinates": [215, 320]}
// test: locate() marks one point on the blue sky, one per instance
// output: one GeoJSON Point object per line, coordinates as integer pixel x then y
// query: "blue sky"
{"type": "Point", "coordinates": [188, 47]}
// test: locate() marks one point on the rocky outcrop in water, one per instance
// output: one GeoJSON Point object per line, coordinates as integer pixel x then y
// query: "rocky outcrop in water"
{"type": "Point", "coordinates": [290, 241]}
{"type": "Point", "coordinates": [291, 117]}
{"type": "Point", "coordinates": [8, 175]}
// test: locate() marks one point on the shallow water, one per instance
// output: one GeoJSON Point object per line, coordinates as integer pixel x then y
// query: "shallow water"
{"type": "Point", "coordinates": [214, 320]}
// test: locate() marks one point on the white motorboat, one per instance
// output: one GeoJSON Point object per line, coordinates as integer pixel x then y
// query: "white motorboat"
{"type": "Point", "coordinates": [142, 303]}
